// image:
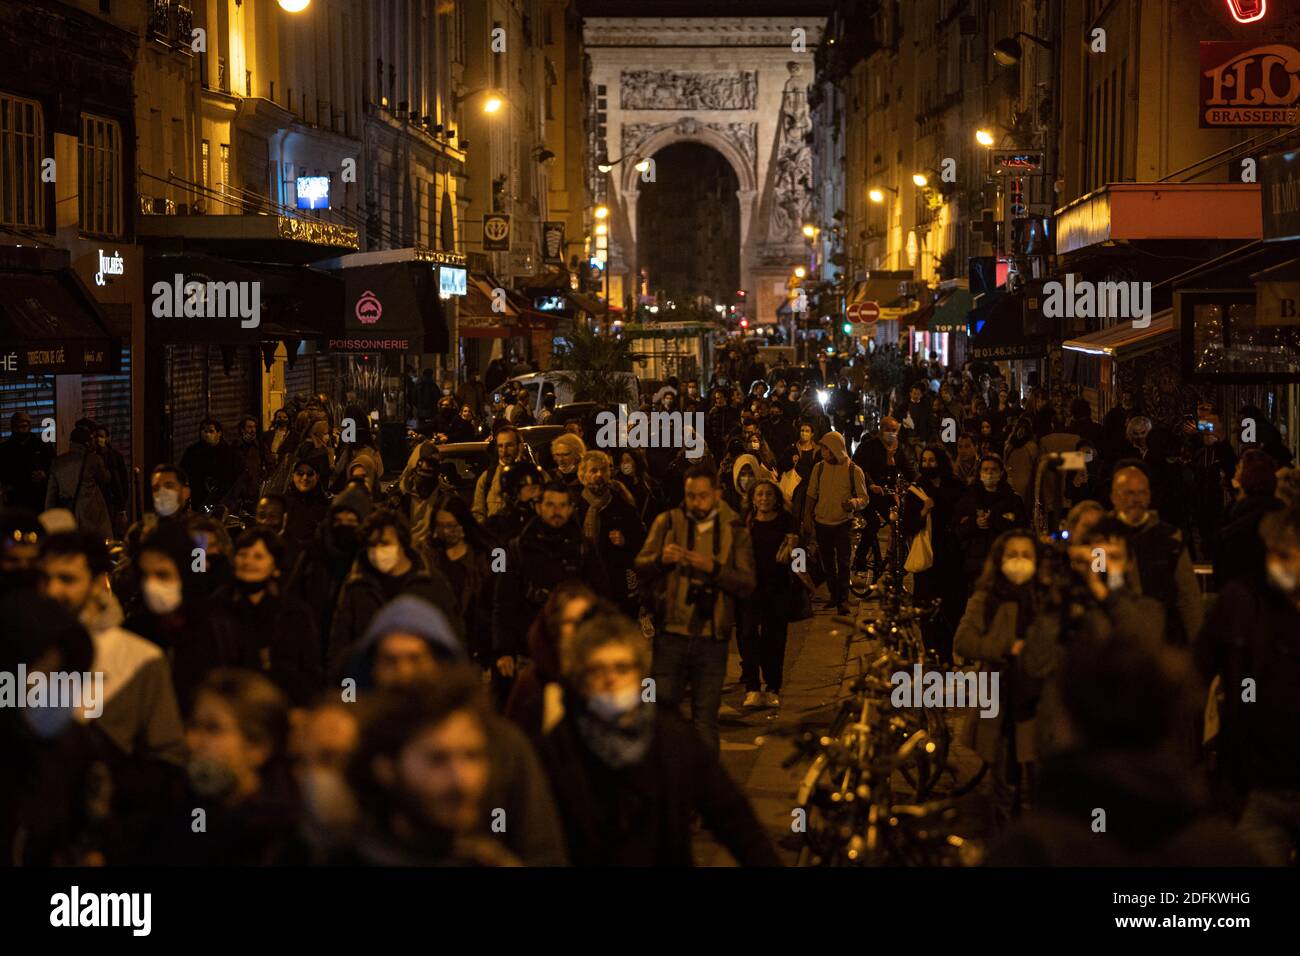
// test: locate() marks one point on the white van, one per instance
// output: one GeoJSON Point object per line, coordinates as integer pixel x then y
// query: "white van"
{"type": "Point", "coordinates": [535, 381]}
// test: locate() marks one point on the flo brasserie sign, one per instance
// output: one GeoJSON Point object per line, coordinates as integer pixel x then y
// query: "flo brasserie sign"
{"type": "Point", "coordinates": [1249, 84]}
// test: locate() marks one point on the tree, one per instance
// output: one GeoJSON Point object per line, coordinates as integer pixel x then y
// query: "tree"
{"type": "Point", "coordinates": [584, 359]}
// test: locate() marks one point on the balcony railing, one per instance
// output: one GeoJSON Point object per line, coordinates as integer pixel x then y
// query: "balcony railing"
{"type": "Point", "coordinates": [171, 24]}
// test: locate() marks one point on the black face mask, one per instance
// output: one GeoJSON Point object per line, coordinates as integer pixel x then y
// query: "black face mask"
{"type": "Point", "coordinates": [250, 587]}
{"type": "Point", "coordinates": [930, 471]}
{"type": "Point", "coordinates": [424, 485]}
{"type": "Point", "coordinates": [344, 537]}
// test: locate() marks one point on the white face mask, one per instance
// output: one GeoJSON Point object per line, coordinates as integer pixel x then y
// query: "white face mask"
{"type": "Point", "coordinates": [166, 502]}
{"type": "Point", "coordinates": [613, 706]}
{"type": "Point", "coordinates": [627, 468]}
{"type": "Point", "coordinates": [1115, 579]}
{"type": "Point", "coordinates": [161, 598]}
{"type": "Point", "coordinates": [384, 557]}
{"type": "Point", "coordinates": [1018, 570]}
{"type": "Point", "coordinates": [1281, 578]}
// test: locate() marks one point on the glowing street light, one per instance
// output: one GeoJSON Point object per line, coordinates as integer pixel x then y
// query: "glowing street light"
{"type": "Point", "coordinates": [602, 212]}
{"type": "Point", "coordinates": [492, 104]}
{"type": "Point", "coordinates": [810, 230]}
{"type": "Point", "coordinates": [983, 137]}
{"type": "Point", "coordinates": [920, 180]}
{"type": "Point", "coordinates": [294, 6]}
{"type": "Point", "coordinates": [800, 272]}
{"type": "Point", "coordinates": [601, 229]}
{"type": "Point", "coordinates": [642, 166]}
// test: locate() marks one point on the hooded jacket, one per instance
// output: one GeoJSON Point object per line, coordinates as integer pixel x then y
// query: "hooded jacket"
{"type": "Point", "coordinates": [410, 615]}
{"type": "Point", "coordinates": [844, 478]}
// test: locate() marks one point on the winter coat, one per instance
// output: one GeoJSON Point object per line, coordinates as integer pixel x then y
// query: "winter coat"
{"type": "Point", "coordinates": [1006, 511]}
{"type": "Point", "coordinates": [82, 473]}
{"type": "Point", "coordinates": [212, 470]}
{"type": "Point", "coordinates": [733, 577]}
{"type": "Point", "coordinates": [619, 515]}
{"type": "Point", "coordinates": [276, 637]}
{"type": "Point", "coordinates": [642, 815]}
{"type": "Point", "coordinates": [1160, 566]}
{"type": "Point", "coordinates": [366, 590]}
{"type": "Point", "coordinates": [987, 639]}
{"type": "Point", "coordinates": [1237, 550]}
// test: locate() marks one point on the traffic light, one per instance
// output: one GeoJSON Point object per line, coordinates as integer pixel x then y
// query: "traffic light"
{"type": "Point", "coordinates": [744, 323]}
{"type": "Point", "coordinates": [848, 328]}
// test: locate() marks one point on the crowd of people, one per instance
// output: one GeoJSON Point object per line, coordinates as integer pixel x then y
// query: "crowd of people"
{"type": "Point", "coordinates": [399, 669]}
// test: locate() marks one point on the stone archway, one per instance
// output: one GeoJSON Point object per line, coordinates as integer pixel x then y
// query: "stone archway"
{"type": "Point", "coordinates": [738, 86]}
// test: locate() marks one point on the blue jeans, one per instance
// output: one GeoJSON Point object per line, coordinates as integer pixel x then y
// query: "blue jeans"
{"type": "Point", "coordinates": [701, 662]}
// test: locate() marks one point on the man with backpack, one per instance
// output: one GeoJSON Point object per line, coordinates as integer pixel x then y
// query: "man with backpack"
{"type": "Point", "coordinates": [77, 480]}
{"type": "Point", "coordinates": [488, 498]}
{"type": "Point", "coordinates": [836, 489]}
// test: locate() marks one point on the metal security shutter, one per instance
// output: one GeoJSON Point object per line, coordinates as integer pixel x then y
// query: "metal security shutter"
{"type": "Point", "coordinates": [107, 399]}
{"type": "Point", "coordinates": [187, 372]}
{"type": "Point", "coordinates": [229, 395]}
{"type": "Point", "coordinates": [300, 381]}
{"type": "Point", "coordinates": [33, 394]}
{"type": "Point", "coordinates": [325, 375]}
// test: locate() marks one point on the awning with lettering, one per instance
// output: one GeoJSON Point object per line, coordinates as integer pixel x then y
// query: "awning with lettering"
{"type": "Point", "coordinates": [395, 301]}
{"type": "Point", "coordinates": [950, 312]}
{"type": "Point", "coordinates": [998, 330]}
{"type": "Point", "coordinates": [50, 324]}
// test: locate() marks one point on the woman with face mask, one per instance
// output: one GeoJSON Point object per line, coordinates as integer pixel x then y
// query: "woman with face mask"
{"type": "Point", "coordinates": [308, 501]}
{"type": "Point", "coordinates": [745, 473]}
{"type": "Point", "coordinates": [634, 476]}
{"type": "Point", "coordinates": [238, 773]}
{"type": "Point", "coordinates": [1006, 601]}
{"type": "Point", "coordinates": [943, 580]}
{"type": "Point", "coordinates": [615, 763]}
{"type": "Point", "coordinates": [986, 510]}
{"type": "Point", "coordinates": [275, 633]}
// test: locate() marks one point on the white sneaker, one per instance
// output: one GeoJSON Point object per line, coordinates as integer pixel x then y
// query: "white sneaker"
{"type": "Point", "coordinates": [754, 699]}
{"type": "Point", "coordinates": [771, 699]}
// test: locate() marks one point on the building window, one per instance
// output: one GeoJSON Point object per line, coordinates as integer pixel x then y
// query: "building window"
{"type": "Point", "coordinates": [225, 169]}
{"type": "Point", "coordinates": [205, 153]}
{"type": "Point", "coordinates": [22, 133]}
{"type": "Point", "coordinates": [100, 196]}
{"type": "Point", "coordinates": [223, 82]}
{"type": "Point", "coordinates": [248, 82]}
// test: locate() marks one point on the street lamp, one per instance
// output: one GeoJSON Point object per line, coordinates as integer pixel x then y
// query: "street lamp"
{"type": "Point", "coordinates": [920, 180]}
{"type": "Point", "coordinates": [800, 272]}
{"type": "Point", "coordinates": [294, 6]}
{"type": "Point", "coordinates": [492, 104]}
{"type": "Point", "coordinates": [641, 166]}
{"type": "Point", "coordinates": [876, 193]}
{"type": "Point", "coordinates": [810, 230]}
{"type": "Point", "coordinates": [1007, 51]}
{"type": "Point", "coordinates": [602, 212]}
{"type": "Point", "coordinates": [984, 137]}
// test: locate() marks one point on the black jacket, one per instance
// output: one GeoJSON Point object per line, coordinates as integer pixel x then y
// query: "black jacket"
{"type": "Point", "coordinates": [1237, 550]}
{"type": "Point", "coordinates": [536, 561]}
{"type": "Point", "coordinates": [619, 515]}
{"type": "Point", "coordinates": [365, 591]}
{"type": "Point", "coordinates": [872, 457]}
{"type": "Point", "coordinates": [212, 470]}
{"type": "Point", "coordinates": [641, 815]}
{"type": "Point", "coordinates": [976, 542]}
{"type": "Point", "coordinates": [276, 637]}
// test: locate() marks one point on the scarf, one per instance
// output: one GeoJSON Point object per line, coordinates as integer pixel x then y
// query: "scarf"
{"type": "Point", "coordinates": [591, 522]}
{"type": "Point", "coordinates": [617, 745]}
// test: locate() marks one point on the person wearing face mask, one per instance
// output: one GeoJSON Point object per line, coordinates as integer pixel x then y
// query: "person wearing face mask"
{"type": "Point", "coordinates": [608, 517]}
{"type": "Point", "coordinates": [238, 773]}
{"type": "Point", "coordinates": [567, 450]}
{"type": "Point", "coordinates": [1085, 485]}
{"type": "Point", "coordinates": [883, 458]}
{"type": "Point", "coordinates": [1251, 639]}
{"type": "Point", "coordinates": [634, 476]}
{"type": "Point", "coordinates": [211, 464]}
{"type": "Point", "coordinates": [943, 580]}
{"type": "Point", "coordinates": [306, 496]}
{"type": "Point", "coordinates": [461, 550]}
{"type": "Point", "coordinates": [836, 489]}
{"type": "Point", "coordinates": [719, 421]}
{"type": "Point", "coordinates": [273, 631]}
{"type": "Point", "coordinates": [250, 464]}
{"type": "Point", "coordinates": [1006, 600]}
{"type": "Point", "coordinates": [983, 513]}
{"type": "Point", "coordinates": [51, 759]}
{"type": "Point", "coordinates": [1236, 549]}
{"type": "Point", "coordinates": [319, 571]}
{"type": "Point", "coordinates": [79, 481]}
{"type": "Point", "coordinates": [765, 615]}
{"type": "Point", "coordinates": [629, 775]}
{"type": "Point", "coordinates": [276, 440]}
{"type": "Point", "coordinates": [521, 486]}
{"type": "Point", "coordinates": [420, 492]}
{"type": "Point", "coordinates": [746, 472]}
{"type": "Point", "coordinates": [386, 567]}
{"type": "Point", "coordinates": [1160, 565]}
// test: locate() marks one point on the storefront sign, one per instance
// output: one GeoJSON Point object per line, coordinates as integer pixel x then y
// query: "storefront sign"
{"type": "Point", "coordinates": [1279, 177]}
{"type": "Point", "coordinates": [553, 242]}
{"type": "Point", "coordinates": [1277, 303]}
{"type": "Point", "coordinates": [496, 232]}
{"type": "Point", "coordinates": [113, 265]}
{"type": "Point", "coordinates": [369, 345]}
{"type": "Point", "coordinates": [368, 308]}
{"type": "Point", "coordinates": [452, 281]}
{"type": "Point", "coordinates": [1249, 84]}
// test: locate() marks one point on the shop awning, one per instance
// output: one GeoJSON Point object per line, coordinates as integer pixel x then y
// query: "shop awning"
{"type": "Point", "coordinates": [1234, 270]}
{"type": "Point", "coordinates": [1123, 212]}
{"type": "Point", "coordinates": [951, 311]}
{"type": "Point", "coordinates": [477, 319]}
{"type": "Point", "coordinates": [271, 238]}
{"type": "Point", "coordinates": [393, 303]}
{"type": "Point", "coordinates": [1124, 341]}
{"type": "Point", "coordinates": [920, 318]}
{"type": "Point", "coordinates": [292, 302]}
{"type": "Point", "coordinates": [884, 292]}
{"type": "Point", "coordinates": [998, 330]}
{"type": "Point", "coordinates": [51, 325]}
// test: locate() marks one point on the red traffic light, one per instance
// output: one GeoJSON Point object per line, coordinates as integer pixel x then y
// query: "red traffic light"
{"type": "Point", "coordinates": [744, 323]}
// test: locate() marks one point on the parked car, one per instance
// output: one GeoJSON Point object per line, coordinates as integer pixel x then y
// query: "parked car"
{"type": "Point", "coordinates": [538, 383]}
{"type": "Point", "coordinates": [463, 462]}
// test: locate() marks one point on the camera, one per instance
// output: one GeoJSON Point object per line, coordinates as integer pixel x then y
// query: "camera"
{"type": "Point", "coordinates": [701, 596]}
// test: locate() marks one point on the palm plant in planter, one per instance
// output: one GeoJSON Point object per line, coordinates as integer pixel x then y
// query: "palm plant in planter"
{"type": "Point", "coordinates": [584, 360]}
